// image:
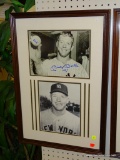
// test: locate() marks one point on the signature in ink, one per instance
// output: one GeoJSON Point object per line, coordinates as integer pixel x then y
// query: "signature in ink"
{"type": "Point", "coordinates": [34, 40]}
{"type": "Point", "coordinates": [64, 68]}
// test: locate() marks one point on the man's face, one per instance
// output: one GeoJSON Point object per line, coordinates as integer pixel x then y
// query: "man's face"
{"type": "Point", "coordinates": [64, 45]}
{"type": "Point", "coordinates": [59, 101]}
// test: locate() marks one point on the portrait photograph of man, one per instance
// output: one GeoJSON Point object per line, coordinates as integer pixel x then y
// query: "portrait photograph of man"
{"type": "Point", "coordinates": [60, 53]}
{"type": "Point", "coordinates": [59, 107]}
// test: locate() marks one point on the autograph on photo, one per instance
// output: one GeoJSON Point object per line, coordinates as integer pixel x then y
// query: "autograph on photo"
{"type": "Point", "coordinates": [64, 68]}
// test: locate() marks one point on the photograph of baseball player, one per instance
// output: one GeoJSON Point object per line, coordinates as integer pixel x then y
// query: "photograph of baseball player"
{"type": "Point", "coordinates": [60, 53]}
{"type": "Point", "coordinates": [60, 107]}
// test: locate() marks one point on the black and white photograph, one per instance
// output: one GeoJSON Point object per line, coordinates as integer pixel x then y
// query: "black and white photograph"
{"type": "Point", "coordinates": [59, 107]}
{"type": "Point", "coordinates": [63, 53]}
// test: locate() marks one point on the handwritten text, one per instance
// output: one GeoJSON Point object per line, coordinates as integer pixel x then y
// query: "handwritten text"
{"type": "Point", "coordinates": [64, 68]}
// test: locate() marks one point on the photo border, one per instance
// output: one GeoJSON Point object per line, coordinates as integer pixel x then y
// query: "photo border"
{"type": "Point", "coordinates": [106, 31]}
{"type": "Point", "coordinates": [53, 52]}
{"type": "Point", "coordinates": [65, 83]}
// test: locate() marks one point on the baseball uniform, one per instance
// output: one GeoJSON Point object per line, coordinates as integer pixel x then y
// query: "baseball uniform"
{"type": "Point", "coordinates": [67, 123]}
{"type": "Point", "coordinates": [54, 67]}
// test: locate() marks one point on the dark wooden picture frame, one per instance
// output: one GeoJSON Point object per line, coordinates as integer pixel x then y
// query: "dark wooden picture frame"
{"type": "Point", "coordinates": [115, 82]}
{"type": "Point", "coordinates": [105, 15]}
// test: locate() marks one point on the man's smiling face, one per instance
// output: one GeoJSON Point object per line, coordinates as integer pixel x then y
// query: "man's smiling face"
{"type": "Point", "coordinates": [64, 45]}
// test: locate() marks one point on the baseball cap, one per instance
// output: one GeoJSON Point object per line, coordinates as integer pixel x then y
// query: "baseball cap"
{"type": "Point", "coordinates": [58, 87]}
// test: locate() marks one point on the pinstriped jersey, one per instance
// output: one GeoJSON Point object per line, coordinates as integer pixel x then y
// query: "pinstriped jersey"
{"type": "Point", "coordinates": [67, 123]}
{"type": "Point", "coordinates": [54, 67]}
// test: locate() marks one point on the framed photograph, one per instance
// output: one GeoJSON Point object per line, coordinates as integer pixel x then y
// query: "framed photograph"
{"type": "Point", "coordinates": [54, 97]}
{"type": "Point", "coordinates": [60, 63]}
{"type": "Point", "coordinates": [115, 89]}
{"type": "Point", "coordinates": [58, 58]}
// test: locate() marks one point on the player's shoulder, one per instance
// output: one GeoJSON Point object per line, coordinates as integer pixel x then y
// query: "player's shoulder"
{"type": "Point", "coordinates": [45, 112]}
{"type": "Point", "coordinates": [71, 115]}
{"type": "Point", "coordinates": [75, 63]}
{"type": "Point", "coordinates": [48, 63]}
{"type": "Point", "coordinates": [50, 60]}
